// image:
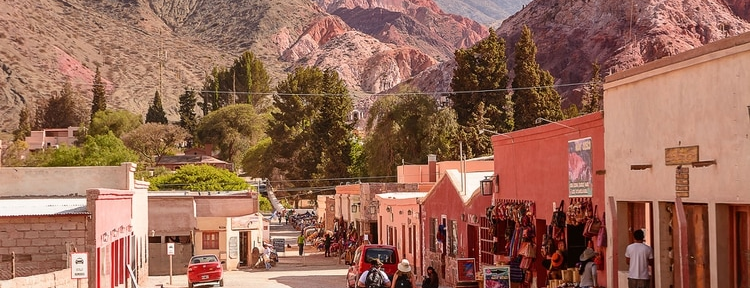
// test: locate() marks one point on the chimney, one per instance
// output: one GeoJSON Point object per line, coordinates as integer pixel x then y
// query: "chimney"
{"type": "Point", "coordinates": [432, 167]}
{"type": "Point", "coordinates": [209, 149]}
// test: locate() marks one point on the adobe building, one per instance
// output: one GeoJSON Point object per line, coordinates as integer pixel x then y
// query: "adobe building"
{"type": "Point", "coordinates": [536, 170]}
{"type": "Point", "coordinates": [52, 138]}
{"type": "Point", "coordinates": [677, 159]}
{"type": "Point", "coordinates": [46, 214]}
{"type": "Point", "coordinates": [223, 223]}
{"type": "Point", "coordinates": [448, 223]}
{"type": "Point", "coordinates": [399, 225]}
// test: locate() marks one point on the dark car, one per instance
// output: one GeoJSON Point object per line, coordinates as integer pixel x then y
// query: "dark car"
{"type": "Point", "coordinates": [205, 269]}
{"type": "Point", "coordinates": [361, 261]}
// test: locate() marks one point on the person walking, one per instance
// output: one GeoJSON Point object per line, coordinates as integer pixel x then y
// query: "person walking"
{"type": "Point", "coordinates": [639, 256]}
{"type": "Point", "coordinates": [403, 277]}
{"type": "Point", "coordinates": [327, 244]}
{"type": "Point", "coordinates": [587, 269]}
{"type": "Point", "coordinates": [431, 279]}
{"type": "Point", "coordinates": [301, 243]}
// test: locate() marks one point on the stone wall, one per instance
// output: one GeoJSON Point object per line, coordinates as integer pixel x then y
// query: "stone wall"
{"type": "Point", "coordinates": [58, 279]}
{"type": "Point", "coordinates": [41, 244]}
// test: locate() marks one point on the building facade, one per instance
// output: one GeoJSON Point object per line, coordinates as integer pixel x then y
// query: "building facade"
{"type": "Point", "coordinates": [677, 155]}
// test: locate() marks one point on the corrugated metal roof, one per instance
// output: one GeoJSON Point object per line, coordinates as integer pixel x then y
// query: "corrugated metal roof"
{"type": "Point", "coordinates": [42, 206]}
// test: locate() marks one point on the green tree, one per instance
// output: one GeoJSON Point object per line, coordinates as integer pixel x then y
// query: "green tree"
{"type": "Point", "coordinates": [99, 100]}
{"type": "Point", "coordinates": [15, 154]}
{"type": "Point", "coordinates": [255, 160]}
{"type": "Point", "coordinates": [245, 82]}
{"type": "Point", "coordinates": [571, 112]}
{"type": "Point", "coordinates": [156, 112]}
{"type": "Point", "coordinates": [99, 150]}
{"type": "Point", "coordinates": [233, 130]}
{"type": "Point", "coordinates": [534, 94]}
{"type": "Point", "coordinates": [198, 178]}
{"type": "Point", "coordinates": [118, 122]}
{"type": "Point", "coordinates": [24, 125]}
{"type": "Point", "coordinates": [310, 130]}
{"type": "Point", "coordinates": [481, 76]}
{"type": "Point", "coordinates": [593, 92]}
{"type": "Point", "coordinates": [406, 128]}
{"type": "Point", "coordinates": [62, 110]}
{"type": "Point", "coordinates": [153, 140]}
{"type": "Point", "coordinates": [188, 118]}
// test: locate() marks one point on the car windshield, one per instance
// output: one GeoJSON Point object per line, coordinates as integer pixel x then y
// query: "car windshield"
{"type": "Point", "coordinates": [384, 255]}
{"type": "Point", "coordinates": [204, 259]}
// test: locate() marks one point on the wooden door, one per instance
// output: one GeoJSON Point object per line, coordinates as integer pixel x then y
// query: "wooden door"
{"type": "Point", "coordinates": [698, 254]}
{"type": "Point", "coordinates": [472, 235]}
{"type": "Point", "coordinates": [740, 247]}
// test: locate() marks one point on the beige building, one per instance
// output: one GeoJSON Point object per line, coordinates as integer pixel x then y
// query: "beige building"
{"type": "Point", "coordinates": [52, 138]}
{"type": "Point", "coordinates": [677, 156]}
{"type": "Point", "coordinates": [226, 224]}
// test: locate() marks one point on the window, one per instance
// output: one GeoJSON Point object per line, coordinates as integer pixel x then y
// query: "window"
{"type": "Point", "coordinates": [433, 234]}
{"type": "Point", "coordinates": [210, 240]}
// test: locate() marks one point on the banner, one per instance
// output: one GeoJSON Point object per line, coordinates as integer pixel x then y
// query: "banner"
{"type": "Point", "coordinates": [579, 168]}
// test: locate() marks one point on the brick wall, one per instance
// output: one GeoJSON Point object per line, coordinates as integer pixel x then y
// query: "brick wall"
{"type": "Point", "coordinates": [41, 243]}
{"type": "Point", "coordinates": [58, 279]}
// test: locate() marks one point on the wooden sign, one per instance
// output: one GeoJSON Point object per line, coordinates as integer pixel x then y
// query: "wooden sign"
{"type": "Point", "coordinates": [682, 182]}
{"type": "Point", "coordinates": [681, 155]}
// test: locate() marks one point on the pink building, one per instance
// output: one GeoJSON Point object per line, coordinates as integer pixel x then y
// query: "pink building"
{"type": "Point", "coordinates": [47, 214]}
{"type": "Point", "coordinates": [450, 214]}
{"type": "Point", "coordinates": [399, 224]}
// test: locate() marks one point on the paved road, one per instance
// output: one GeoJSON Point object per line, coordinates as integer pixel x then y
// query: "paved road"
{"type": "Point", "coordinates": [311, 271]}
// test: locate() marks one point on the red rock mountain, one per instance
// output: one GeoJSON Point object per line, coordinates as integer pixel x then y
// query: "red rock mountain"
{"type": "Point", "coordinates": [374, 44]}
{"type": "Point", "coordinates": [572, 34]}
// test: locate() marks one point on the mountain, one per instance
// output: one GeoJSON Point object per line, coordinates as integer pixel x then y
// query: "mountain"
{"type": "Point", "coordinates": [570, 35]}
{"type": "Point", "coordinates": [373, 44]}
{"type": "Point", "coordinates": [487, 12]}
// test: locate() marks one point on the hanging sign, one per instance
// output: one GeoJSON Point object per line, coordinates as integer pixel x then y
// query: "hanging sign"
{"type": "Point", "coordinates": [579, 168]}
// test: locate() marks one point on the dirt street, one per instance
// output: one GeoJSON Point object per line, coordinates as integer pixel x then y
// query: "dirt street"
{"type": "Point", "coordinates": [311, 271]}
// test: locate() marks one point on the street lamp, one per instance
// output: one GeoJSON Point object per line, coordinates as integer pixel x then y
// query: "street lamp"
{"type": "Point", "coordinates": [481, 131]}
{"type": "Point", "coordinates": [486, 185]}
{"type": "Point", "coordinates": [373, 207]}
{"type": "Point", "coordinates": [355, 207]}
{"type": "Point", "coordinates": [540, 119]}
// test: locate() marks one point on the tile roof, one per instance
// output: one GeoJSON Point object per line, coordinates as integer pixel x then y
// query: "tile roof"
{"type": "Point", "coordinates": [42, 206]}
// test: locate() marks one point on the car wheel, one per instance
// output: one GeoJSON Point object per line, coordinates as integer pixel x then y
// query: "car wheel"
{"type": "Point", "coordinates": [190, 285]}
{"type": "Point", "coordinates": [221, 283]}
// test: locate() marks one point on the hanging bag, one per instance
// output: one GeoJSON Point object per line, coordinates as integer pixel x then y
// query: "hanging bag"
{"type": "Point", "coordinates": [601, 238]}
{"type": "Point", "coordinates": [593, 225]}
{"type": "Point", "coordinates": [558, 217]}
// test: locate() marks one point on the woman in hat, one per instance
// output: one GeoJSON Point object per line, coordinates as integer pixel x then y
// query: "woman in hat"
{"type": "Point", "coordinates": [587, 269]}
{"type": "Point", "coordinates": [403, 277]}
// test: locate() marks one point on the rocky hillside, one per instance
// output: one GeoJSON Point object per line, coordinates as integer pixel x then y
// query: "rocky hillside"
{"type": "Point", "coordinates": [572, 34]}
{"type": "Point", "coordinates": [373, 44]}
{"type": "Point", "coordinates": [487, 12]}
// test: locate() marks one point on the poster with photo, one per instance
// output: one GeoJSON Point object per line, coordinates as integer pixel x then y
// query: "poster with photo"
{"type": "Point", "coordinates": [579, 168]}
{"type": "Point", "coordinates": [466, 269]}
{"type": "Point", "coordinates": [496, 276]}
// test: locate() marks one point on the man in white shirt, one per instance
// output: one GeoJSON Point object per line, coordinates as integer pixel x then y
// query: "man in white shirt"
{"type": "Point", "coordinates": [639, 256]}
{"type": "Point", "coordinates": [267, 256]}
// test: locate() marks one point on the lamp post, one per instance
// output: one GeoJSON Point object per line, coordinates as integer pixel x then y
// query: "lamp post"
{"type": "Point", "coordinates": [486, 185]}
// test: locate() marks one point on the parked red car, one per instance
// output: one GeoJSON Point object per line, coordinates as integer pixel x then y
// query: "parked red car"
{"type": "Point", "coordinates": [205, 269]}
{"type": "Point", "coordinates": [361, 261]}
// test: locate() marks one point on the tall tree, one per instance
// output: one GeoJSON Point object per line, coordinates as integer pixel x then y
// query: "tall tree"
{"type": "Point", "coordinates": [245, 82]}
{"type": "Point", "coordinates": [62, 110]}
{"type": "Point", "coordinates": [24, 125]}
{"type": "Point", "coordinates": [99, 99]}
{"type": "Point", "coordinates": [481, 79]}
{"type": "Point", "coordinates": [534, 94]}
{"type": "Point", "coordinates": [233, 129]}
{"type": "Point", "coordinates": [406, 128]}
{"type": "Point", "coordinates": [99, 150]}
{"type": "Point", "coordinates": [310, 130]}
{"type": "Point", "coordinates": [156, 112]}
{"type": "Point", "coordinates": [188, 118]}
{"type": "Point", "coordinates": [593, 92]}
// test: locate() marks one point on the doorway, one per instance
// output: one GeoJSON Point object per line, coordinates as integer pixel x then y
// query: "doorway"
{"type": "Point", "coordinates": [243, 248]}
{"type": "Point", "coordinates": [740, 246]}
{"type": "Point", "coordinates": [472, 232]}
